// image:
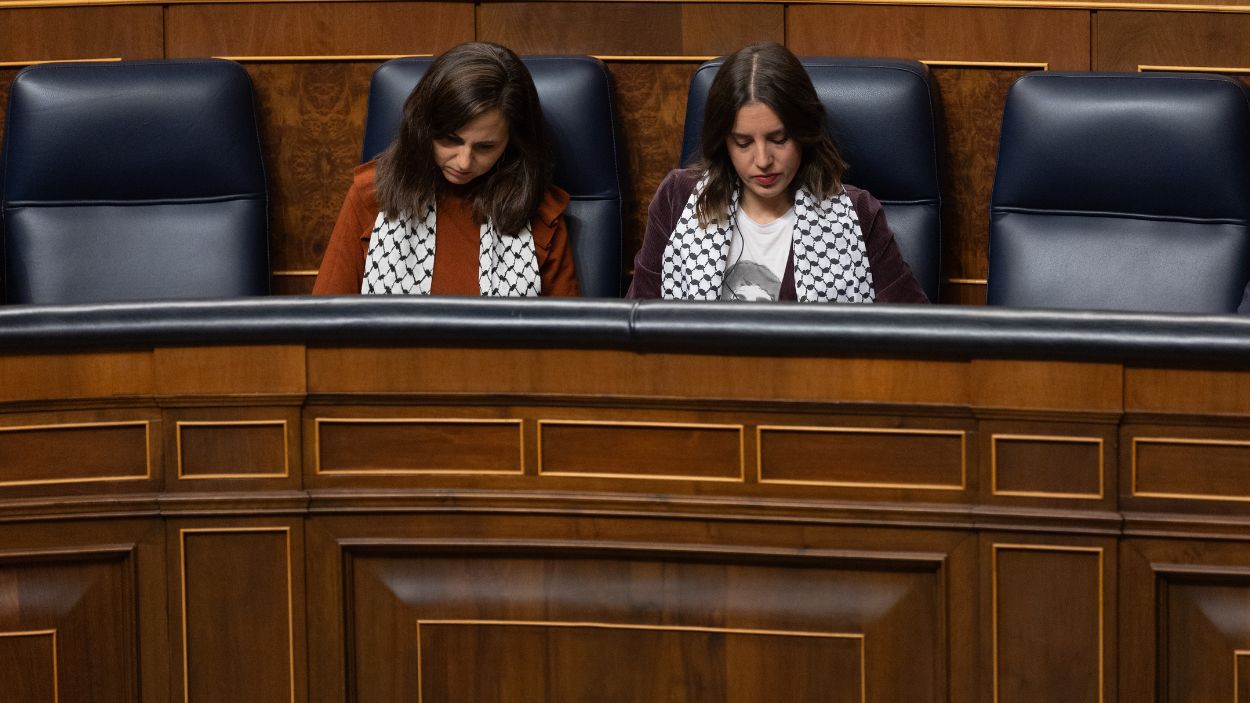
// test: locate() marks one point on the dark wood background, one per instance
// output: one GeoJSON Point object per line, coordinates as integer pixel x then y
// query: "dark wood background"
{"type": "Point", "coordinates": [311, 62]}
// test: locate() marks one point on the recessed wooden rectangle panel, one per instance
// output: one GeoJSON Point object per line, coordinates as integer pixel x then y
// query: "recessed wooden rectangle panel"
{"type": "Point", "coordinates": [864, 457]}
{"type": "Point", "coordinates": [28, 673]}
{"type": "Point", "coordinates": [471, 661]}
{"type": "Point", "coordinates": [1241, 673]}
{"type": "Point", "coordinates": [1203, 635]}
{"type": "Point", "coordinates": [389, 446]}
{"type": "Point", "coordinates": [237, 615]}
{"type": "Point", "coordinates": [232, 449]}
{"type": "Point", "coordinates": [1042, 466]}
{"type": "Point", "coordinates": [1210, 469]}
{"type": "Point", "coordinates": [640, 450]}
{"type": "Point", "coordinates": [74, 453]}
{"type": "Point", "coordinates": [1047, 623]}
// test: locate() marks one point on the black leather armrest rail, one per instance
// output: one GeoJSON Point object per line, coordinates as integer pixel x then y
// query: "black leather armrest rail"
{"type": "Point", "coordinates": [648, 326]}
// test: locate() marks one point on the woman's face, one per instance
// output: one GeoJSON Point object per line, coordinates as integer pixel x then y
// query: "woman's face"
{"type": "Point", "coordinates": [473, 149]}
{"type": "Point", "coordinates": [766, 159]}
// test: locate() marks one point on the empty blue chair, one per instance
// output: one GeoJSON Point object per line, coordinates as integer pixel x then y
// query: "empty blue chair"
{"type": "Point", "coordinates": [133, 181]}
{"type": "Point", "coordinates": [880, 114]}
{"type": "Point", "coordinates": [577, 105]}
{"type": "Point", "coordinates": [1122, 191]}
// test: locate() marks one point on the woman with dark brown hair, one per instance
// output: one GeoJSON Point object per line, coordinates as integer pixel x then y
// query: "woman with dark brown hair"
{"type": "Point", "coordinates": [764, 214]}
{"type": "Point", "coordinates": [461, 202]}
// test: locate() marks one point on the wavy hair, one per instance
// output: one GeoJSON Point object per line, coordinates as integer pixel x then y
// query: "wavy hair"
{"type": "Point", "coordinates": [461, 84]}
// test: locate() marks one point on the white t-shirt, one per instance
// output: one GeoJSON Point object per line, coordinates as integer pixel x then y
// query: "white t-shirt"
{"type": "Point", "coordinates": [757, 257]}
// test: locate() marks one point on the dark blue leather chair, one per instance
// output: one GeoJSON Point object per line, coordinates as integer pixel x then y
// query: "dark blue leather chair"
{"type": "Point", "coordinates": [133, 181]}
{"type": "Point", "coordinates": [1122, 191]}
{"type": "Point", "coordinates": [881, 117]}
{"type": "Point", "coordinates": [577, 104]}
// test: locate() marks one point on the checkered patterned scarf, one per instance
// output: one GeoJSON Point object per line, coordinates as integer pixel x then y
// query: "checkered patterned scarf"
{"type": "Point", "coordinates": [830, 263]}
{"type": "Point", "coordinates": [401, 258]}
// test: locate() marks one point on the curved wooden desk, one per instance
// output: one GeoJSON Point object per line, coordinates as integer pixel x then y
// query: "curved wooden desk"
{"type": "Point", "coordinates": [477, 501]}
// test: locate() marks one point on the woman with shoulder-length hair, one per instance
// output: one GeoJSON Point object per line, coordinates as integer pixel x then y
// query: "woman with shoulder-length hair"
{"type": "Point", "coordinates": [764, 214]}
{"type": "Point", "coordinates": [462, 201]}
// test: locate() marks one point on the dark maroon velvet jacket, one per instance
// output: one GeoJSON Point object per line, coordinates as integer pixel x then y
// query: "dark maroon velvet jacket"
{"type": "Point", "coordinates": [891, 278]}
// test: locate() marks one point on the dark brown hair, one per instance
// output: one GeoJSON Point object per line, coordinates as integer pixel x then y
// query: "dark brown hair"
{"type": "Point", "coordinates": [461, 84]}
{"type": "Point", "coordinates": [768, 74]}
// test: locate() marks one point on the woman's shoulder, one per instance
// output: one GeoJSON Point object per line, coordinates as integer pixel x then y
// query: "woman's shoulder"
{"type": "Point", "coordinates": [680, 181]}
{"type": "Point", "coordinates": [555, 201]}
{"type": "Point", "coordinates": [364, 184]}
{"type": "Point", "coordinates": [863, 201]}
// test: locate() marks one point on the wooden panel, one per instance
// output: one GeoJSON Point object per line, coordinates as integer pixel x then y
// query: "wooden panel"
{"type": "Point", "coordinates": [230, 370]}
{"type": "Point", "coordinates": [1046, 466]}
{"type": "Point", "coordinates": [52, 33]}
{"type": "Point", "coordinates": [1206, 638]}
{"type": "Point", "coordinates": [238, 449]}
{"type": "Point", "coordinates": [633, 663]}
{"type": "Point", "coordinates": [1176, 467]}
{"type": "Point", "coordinates": [1047, 623]}
{"type": "Point", "coordinates": [633, 29]}
{"type": "Point", "coordinates": [641, 450]}
{"type": "Point", "coordinates": [608, 373]}
{"type": "Point", "coordinates": [654, 613]}
{"type": "Point", "coordinates": [237, 614]}
{"type": "Point", "coordinates": [1125, 41]}
{"type": "Point", "coordinates": [1057, 385]}
{"type": "Point", "coordinates": [316, 29]}
{"type": "Point", "coordinates": [863, 457]}
{"type": "Point", "coordinates": [29, 672]}
{"type": "Point", "coordinates": [75, 452]}
{"type": "Point", "coordinates": [389, 446]}
{"type": "Point", "coordinates": [1187, 391]}
{"type": "Point", "coordinates": [62, 376]}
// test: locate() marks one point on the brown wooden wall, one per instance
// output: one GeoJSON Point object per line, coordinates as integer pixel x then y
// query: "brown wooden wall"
{"type": "Point", "coordinates": [311, 62]}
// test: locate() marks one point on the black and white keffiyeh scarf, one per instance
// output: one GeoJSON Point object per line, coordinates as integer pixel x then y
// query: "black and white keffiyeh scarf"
{"type": "Point", "coordinates": [830, 262]}
{"type": "Point", "coordinates": [401, 258]}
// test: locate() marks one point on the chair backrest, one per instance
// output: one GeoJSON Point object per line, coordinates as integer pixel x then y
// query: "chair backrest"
{"type": "Point", "coordinates": [576, 99]}
{"type": "Point", "coordinates": [880, 113]}
{"type": "Point", "coordinates": [1122, 191]}
{"type": "Point", "coordinates": [133, 181]}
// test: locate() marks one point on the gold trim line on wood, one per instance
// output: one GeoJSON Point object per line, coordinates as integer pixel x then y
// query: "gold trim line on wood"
{"type": "Point", "coordinates": [1030, 65]}
{"type": "Point", "coordinates": [1102, 490]}
{"type": "Point", "coordinates": [968, 281]}
{"type": "Point", "coordinates": [676, 58]}
{"type": "Point", "coordinates": [863, 683]}
{"type": "Point", "coordinates": [317, 470]}
{"type": "Point", "coordinates": [294, 272]}
{"type": "Point", "coordinates": [742, 450]}
{"type": "Point", "coordinates": [290, 595]}
{"type": "Point", "coordinates": [1236, 676]}
{"type": "Point", "coordinates": [37, 62]}
{"type": "Point", "coordinates": [286, 447]}
{"type": "Point", "coordinates": [994, 549]}
{"type": "Point", "coordinates": [1143, 68]}
{"type": "Point", "coordinates": [309, 58]}
{"type": "Point", "coordinates": [1181, 440]}
{"type": "Point", "coordinates": [963, 457]}
{"type": "Point", "coordinates": [56, 684]}
{"type": "Point", "coordinates": [147, 452]}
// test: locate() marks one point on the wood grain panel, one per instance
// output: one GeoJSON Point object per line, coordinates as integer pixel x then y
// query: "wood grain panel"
{"type": "Point", "coordinates": [1047, 623]}
{"type": "Point", "coordinates": [74, 453]}
{"type": "Point", "coordinates": [651, 114]}
{"type": "Point", "coordinates": [628, 29]}
{"type": "Point", "coordinates": [1209, 392]}
{"type": "Point", "coordinates": [614, 373]}
{"type": "Point", "coordinates": [237, 614]}
{"type": "Point", "coordinates": [892, 605]}
{"type": "Point", "coordinates": [189, 371]}
{"type": "Point", "coordinates": [312, 124]}
{"type": "Point", "coordinates": [1058, 385]}
{"type": "Point", "coordinates": [1206, 635]}
{"type": "Point", "coordinates": [390, 446]}
{"type": "Point", "coordinates": [1175, 467]}
{"type": "Point", "coordinates": [244, 448]}
{"type": "Point", "coordinates": [633, 663]}
{"type": "Point", "coordinates": [641, 450]}
{"type": "Point", "coordinates": [863, 457]}
{"type": "Point", "coordinates": [53, 33]}
{"type": "Point", "coordinates": [316, 28]}
{"type": "Point", "coordinates": [1126, 40]}
{"type": "Point", "coordinates": [58, 376]}
{"type": "Point", "coordinates": [1042, 466]}
{"type": "Point", "coordinates": [29, 671]}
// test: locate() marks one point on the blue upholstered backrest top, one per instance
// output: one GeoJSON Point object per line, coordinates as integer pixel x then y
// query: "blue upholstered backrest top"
{"type": "Point", "coordinates": [577, 103]}
{"type": "Point", "coordinates": [1122, 191]}
{"type": "Point", "coordinates": [133, 181]}
{"type": "Point", "coordinates": [880, 113]}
